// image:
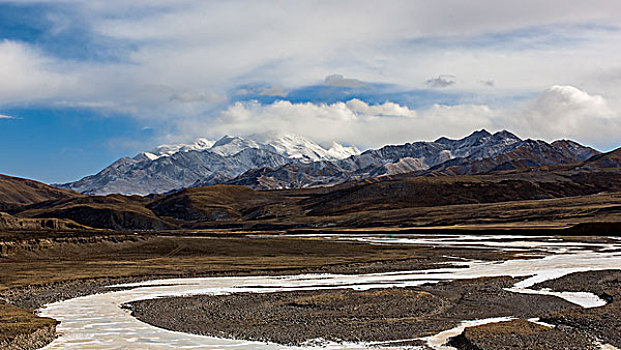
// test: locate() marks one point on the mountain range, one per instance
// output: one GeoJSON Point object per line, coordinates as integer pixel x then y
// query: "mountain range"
{"type": "Point", "coordinates": [205, 162]}
{"type": "Point", "coordinates": [560, 194]}
{"type": "Point", "coordinates": [276, 161]}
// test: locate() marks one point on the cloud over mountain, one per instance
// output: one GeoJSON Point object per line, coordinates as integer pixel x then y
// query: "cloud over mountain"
{"type": "Point", "coordinates": [558, 112]}
{"type": "Point", "coordinates": [193, 68]}
{"type": "Point", "coordinates": [568, 112]}
{"type": "Point", "coordinates": [353, 122]}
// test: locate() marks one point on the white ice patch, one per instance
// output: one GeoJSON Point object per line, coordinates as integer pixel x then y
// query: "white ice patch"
{"type": "Point", "coordinates": [438, 341]}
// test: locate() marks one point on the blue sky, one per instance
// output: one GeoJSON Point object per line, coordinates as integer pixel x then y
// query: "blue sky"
{"type": "Point", "coordinates": [49, 143]}
{"type": "Point", "coordinates": [83, 83]}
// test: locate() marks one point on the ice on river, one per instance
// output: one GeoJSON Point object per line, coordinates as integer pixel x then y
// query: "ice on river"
{"type": "Point", "coordinates": [99, 322]}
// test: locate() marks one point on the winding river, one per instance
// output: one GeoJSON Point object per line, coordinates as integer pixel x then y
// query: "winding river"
{"type": "Point", "coordinates": [99, 322]}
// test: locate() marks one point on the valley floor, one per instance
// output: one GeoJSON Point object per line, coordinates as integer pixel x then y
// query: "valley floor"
{"type": "Point", "coordinates": [45, 267]}
{"type": "Point", "coordinates": [401, 316]}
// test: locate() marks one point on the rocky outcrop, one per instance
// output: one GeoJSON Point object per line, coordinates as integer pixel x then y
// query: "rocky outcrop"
{"type": "Point", "coordinates": [21, 329]}
{"type": "Point", "coordinates": [31, 341]}
{"type": "Point", "coordinates": [45, 247]}
{"type": "Point", "coordinates": [9, 222]}
{"type": "Point", "coordinates": [518, 334]}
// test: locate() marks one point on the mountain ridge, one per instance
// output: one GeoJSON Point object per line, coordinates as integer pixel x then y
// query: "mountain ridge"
{"type": "Point", "coordinates": [290, 161]}
{"type": "Point", "coordinates": [402, 199]}
{"type": "Point", "coordinates": [477, 153]}
{"type": "Point", "coordinates": [15, 191]}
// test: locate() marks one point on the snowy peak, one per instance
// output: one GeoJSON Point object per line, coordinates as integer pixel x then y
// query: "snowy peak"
{"type": "Point", "coordinates": [477, 135]}
{"type": "Point", "coordinates": [290, 161]}
{"type": "Point", "coordinates": [297, 147]}
{"type": "Point", "coordinates": [573, 149]}
{"type": "Point", "coordinates": [168, 150]}
{"type": "Point", "coordinates": [305, 150]}
{"type": "Point", "coordinates": [480, 142]}
{"type": "Point", "coordinates": [230, 145]}
{"type": "Point", "coordinates": [477, 138]}
{"type": "Point", "coordinates": [206, 162]}
{"type": "Point", "coordinates": [473, 139]}
{"type": "Point", "coordinates": [338, 151]}
{"type": "Point", "coordinates": [290, 146]}
{"type": "Point", "coordinates": [506, 135]}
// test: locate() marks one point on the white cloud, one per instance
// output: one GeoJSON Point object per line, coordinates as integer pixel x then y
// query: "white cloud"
{"type": "Point", "coordinates": [351, 122]}
{"type": "Point", "coordinates": [199, 46]}
{"type": "Point", "coordinates": [27, 75]}
{"type": "Point", "coordinates": [184, 57]}
{"type": "Point", "coordinates": [559, 112]}
{"type": "Point", "coordinates": [388, 109]}
{"type": "Point", "coordinates": [568, 112]}
{"type": "Point", "coordinates": [276, 90]}
{"type": "Point", "coordinates": [2, 116]}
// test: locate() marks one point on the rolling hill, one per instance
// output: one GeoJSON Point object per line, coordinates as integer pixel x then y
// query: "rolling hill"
{"type": "Point", "coordinates": [15, 192]}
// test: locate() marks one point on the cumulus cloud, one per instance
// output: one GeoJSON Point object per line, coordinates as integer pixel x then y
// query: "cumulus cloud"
{"type": "Point", "coordinates": [199, 46]}
{"type": "Point", "coordinates": [559, 112]}
{"type": "Point", "coordinates": [563, 111]}
{"type": "Point", "coordinates": [388, 109]}
{"type": "Point", "coordinates": [179, 59]}
{"type": "Point", "coordinates": [351, 122]}
{"type": "Point", "coordinates": [441, 81]}
{"type": "Point", "coordinates": [341, 81]}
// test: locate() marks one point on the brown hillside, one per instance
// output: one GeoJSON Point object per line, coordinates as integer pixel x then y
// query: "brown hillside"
{"type": "Point", "coordinates": [224, 202]}
{"type": "Point", "coordinates": [427, 191]}
{"type": "Point", "coordinates": [9, 222]}
{"type": "Point", "coordinates": [610, 159]}
{"type": "Point", "coordinates": [387, 201]}
{"type": "Point", "coordinates": [112, 212]}
{"type": "Point", "coordinates": [17, 191]}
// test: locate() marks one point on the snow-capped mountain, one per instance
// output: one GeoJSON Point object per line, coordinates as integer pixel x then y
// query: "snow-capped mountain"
{"type": "Point", "coordinates": [290, 146]}
{"type": "Point", "coordinates": [200, 144]}
{"type": "Point", "coordinates": [272, 161]}
{"type": "Point", "coordinates": [479, 152]}
{"type": "Point", "coordinates": [172, 167]}
{"type": "Point", "coordinates": [306, 151]}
